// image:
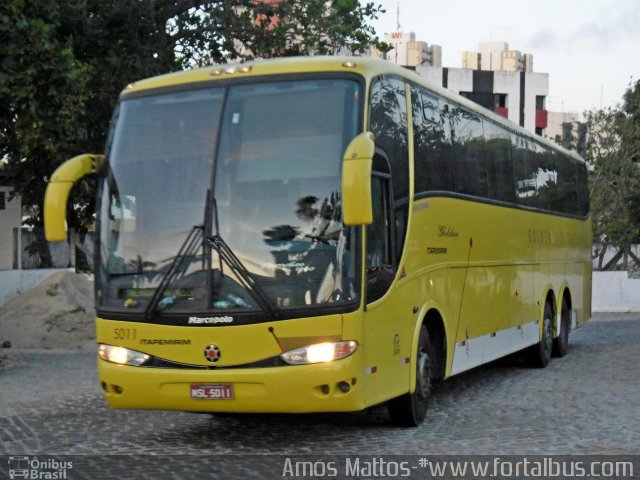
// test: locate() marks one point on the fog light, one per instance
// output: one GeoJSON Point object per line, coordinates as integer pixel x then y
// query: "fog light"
{"type": "Point", "coordinates": [344, 387]}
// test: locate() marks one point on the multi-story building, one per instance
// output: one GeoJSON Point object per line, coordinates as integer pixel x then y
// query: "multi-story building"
{"type": "Point", "coordinates": [496, 56]}
{"type": "Point", "coordinates": [566, 129]}
{"type": "Point", "coordinates": [10, 221]}
{"type": "Point", "coordinates": [501, 80]}
{"type": "Point", "coordinates": [409, 52]}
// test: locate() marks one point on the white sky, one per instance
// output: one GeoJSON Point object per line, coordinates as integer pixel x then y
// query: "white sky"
{"type": "Point", "coordinates": [589, 48]}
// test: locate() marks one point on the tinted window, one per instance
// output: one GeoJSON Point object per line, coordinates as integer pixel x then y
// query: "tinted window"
{"type": "Point", "coordinates": [558, 183]}
{"type": "Point", "coordinates": [567, 184]}
{"type": "Point", "coordinates": [499, 164]}
{"type": "Point", "coordinates": [583, 189]}
{"type": "Point", "coordinates": [457, 150]}
{"type": "Point", "coordinates": [432, 146]}
{"type": "Point", "coordinates": [468, 146]}
{"type": "Point", "coordinates": [388, 122]}
{"type": "Point", "coordinates": [524, 184]}
{"type": "Point", "coordinates": [379, 242]}
{"type": "Point", "coordinates": [543, 176]}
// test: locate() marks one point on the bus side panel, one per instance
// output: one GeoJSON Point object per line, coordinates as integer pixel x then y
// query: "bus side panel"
{"type": "Point", "coordinates": [507, 260]}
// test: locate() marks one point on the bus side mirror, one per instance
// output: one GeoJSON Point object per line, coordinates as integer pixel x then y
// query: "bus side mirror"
{"type": "Point", "coordinates": [57, 194]}
{"type": "Point", "coordinates": [356, 180]}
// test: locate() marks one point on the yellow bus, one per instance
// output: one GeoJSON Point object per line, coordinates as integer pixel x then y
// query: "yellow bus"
{"type": "Point", "coordinates": [322, 234]}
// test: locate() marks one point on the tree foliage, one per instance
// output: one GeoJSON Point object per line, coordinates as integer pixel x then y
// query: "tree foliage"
{"type": "Point", "coordinates": [614, 153]}
{"type": "Point", "coordinates": [63, 64]}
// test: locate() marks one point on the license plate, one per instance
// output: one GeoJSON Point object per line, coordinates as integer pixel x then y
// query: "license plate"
{"type": "Point", "coordinates": [212, 391]}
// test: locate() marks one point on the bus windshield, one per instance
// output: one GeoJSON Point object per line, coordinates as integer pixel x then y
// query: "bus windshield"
{"type": "Point", "coordinates": [253, 167]}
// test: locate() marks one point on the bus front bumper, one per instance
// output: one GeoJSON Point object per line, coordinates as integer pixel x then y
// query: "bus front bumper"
{"type": "Point", "coordinates": [287, 389]}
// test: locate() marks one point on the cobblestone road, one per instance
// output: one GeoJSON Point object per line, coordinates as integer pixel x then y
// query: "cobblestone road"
{"type": "Point", "coordinates": [585, 403]}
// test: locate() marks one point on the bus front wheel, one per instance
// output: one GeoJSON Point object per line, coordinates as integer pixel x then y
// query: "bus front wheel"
{"type": "Point", "coordinates": [410, 409]}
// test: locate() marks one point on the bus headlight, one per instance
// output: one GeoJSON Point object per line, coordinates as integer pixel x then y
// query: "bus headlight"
{"type": "Point", "coordinates": [320, 352]}
{"type": "Point", "coordinates": [121, 355]}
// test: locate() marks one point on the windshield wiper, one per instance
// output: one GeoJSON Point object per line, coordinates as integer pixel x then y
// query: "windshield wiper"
{"type": "Point", "coordinates": [188, 248]}
{"type": "Point", "coordinates": [244, 276]}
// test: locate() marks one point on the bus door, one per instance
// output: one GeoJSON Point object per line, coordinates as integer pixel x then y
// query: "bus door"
{"type": "Point", "coordinates": [386, 325]}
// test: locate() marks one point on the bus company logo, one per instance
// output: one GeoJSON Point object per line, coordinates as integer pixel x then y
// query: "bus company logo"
{"type": "Point", "coordinates": [212, 353]}
{"type": "Point", "coordinates": [447, 231]}
{"type": "Point", "coordinates": [26, 467]}
{"type": "Point", "coordinates": [209, 320]}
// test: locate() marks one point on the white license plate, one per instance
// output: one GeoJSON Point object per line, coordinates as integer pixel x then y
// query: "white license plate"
{"type": "Point", "coordinates": [212, 391]}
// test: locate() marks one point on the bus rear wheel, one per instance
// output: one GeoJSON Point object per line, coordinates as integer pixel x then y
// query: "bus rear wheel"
{"type": "Point", "coordinates": [561, 342]}
{"type": "Point", "coordinates": [541, 352]}
{"type": "Point", "coordinates": [410, 409]}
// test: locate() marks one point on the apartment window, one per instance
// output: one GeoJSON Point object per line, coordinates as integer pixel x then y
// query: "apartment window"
{"type": "Point", "coordinates": [540, 102]}
{"type": "Point", "coordinates": [501, 100]}
{"type": "Point", "coordinates": [2, 200]}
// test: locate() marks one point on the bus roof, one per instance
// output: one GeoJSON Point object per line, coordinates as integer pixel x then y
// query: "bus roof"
{"type": "Point", "coordinates": [364, 66]}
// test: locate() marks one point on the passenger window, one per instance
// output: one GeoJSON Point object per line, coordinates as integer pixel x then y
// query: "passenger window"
{"type": "Point", "coordinates": [567, 182]}
{"type": "Point", "coordinates": [525, 183]}
{"type": "Point", "coordinates": [468, 148]}
{"type": "Point", "coordinates": [499, 163]}
{"type": "Point", "coordinates": [583, 189]}
{"type": "Point", "coordinates": [433, 165]}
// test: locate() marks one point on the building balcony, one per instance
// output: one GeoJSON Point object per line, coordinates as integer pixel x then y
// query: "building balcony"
{"type": "Point", "coordinates": [541, 118]}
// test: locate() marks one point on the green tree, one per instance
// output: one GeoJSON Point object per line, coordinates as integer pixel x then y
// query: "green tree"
{"type": "Point", "coordinates": [63, 64]}
{"type": "Point", "coordinates": [312, 27]}
{"type": "Point", "coordinates": [42, 97]}
{"type": "Point", "coordinates": [614, 153]}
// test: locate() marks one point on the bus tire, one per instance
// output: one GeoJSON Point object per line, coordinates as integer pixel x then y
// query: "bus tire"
{"type": "Point", "coordinates": [410, 409]}
{"type": "Point", "coordinates": [561, 342]}
{"type": "Point", "coordinates": [541, 352]}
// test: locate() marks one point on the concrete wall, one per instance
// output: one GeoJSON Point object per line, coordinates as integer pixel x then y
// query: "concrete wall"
{"type": "Point", "coordinates": [509, 83]}
{"type": "Point", "coordinates": [14, 282]}
{"type": "Point", "coordinates": [460, 80]}
{"type": "Point", "coordinates": [615, 292]}
{"type": "Point", "coordinates": [59, 252]}
{"type": "Point", "coordinates": [432, 74]}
